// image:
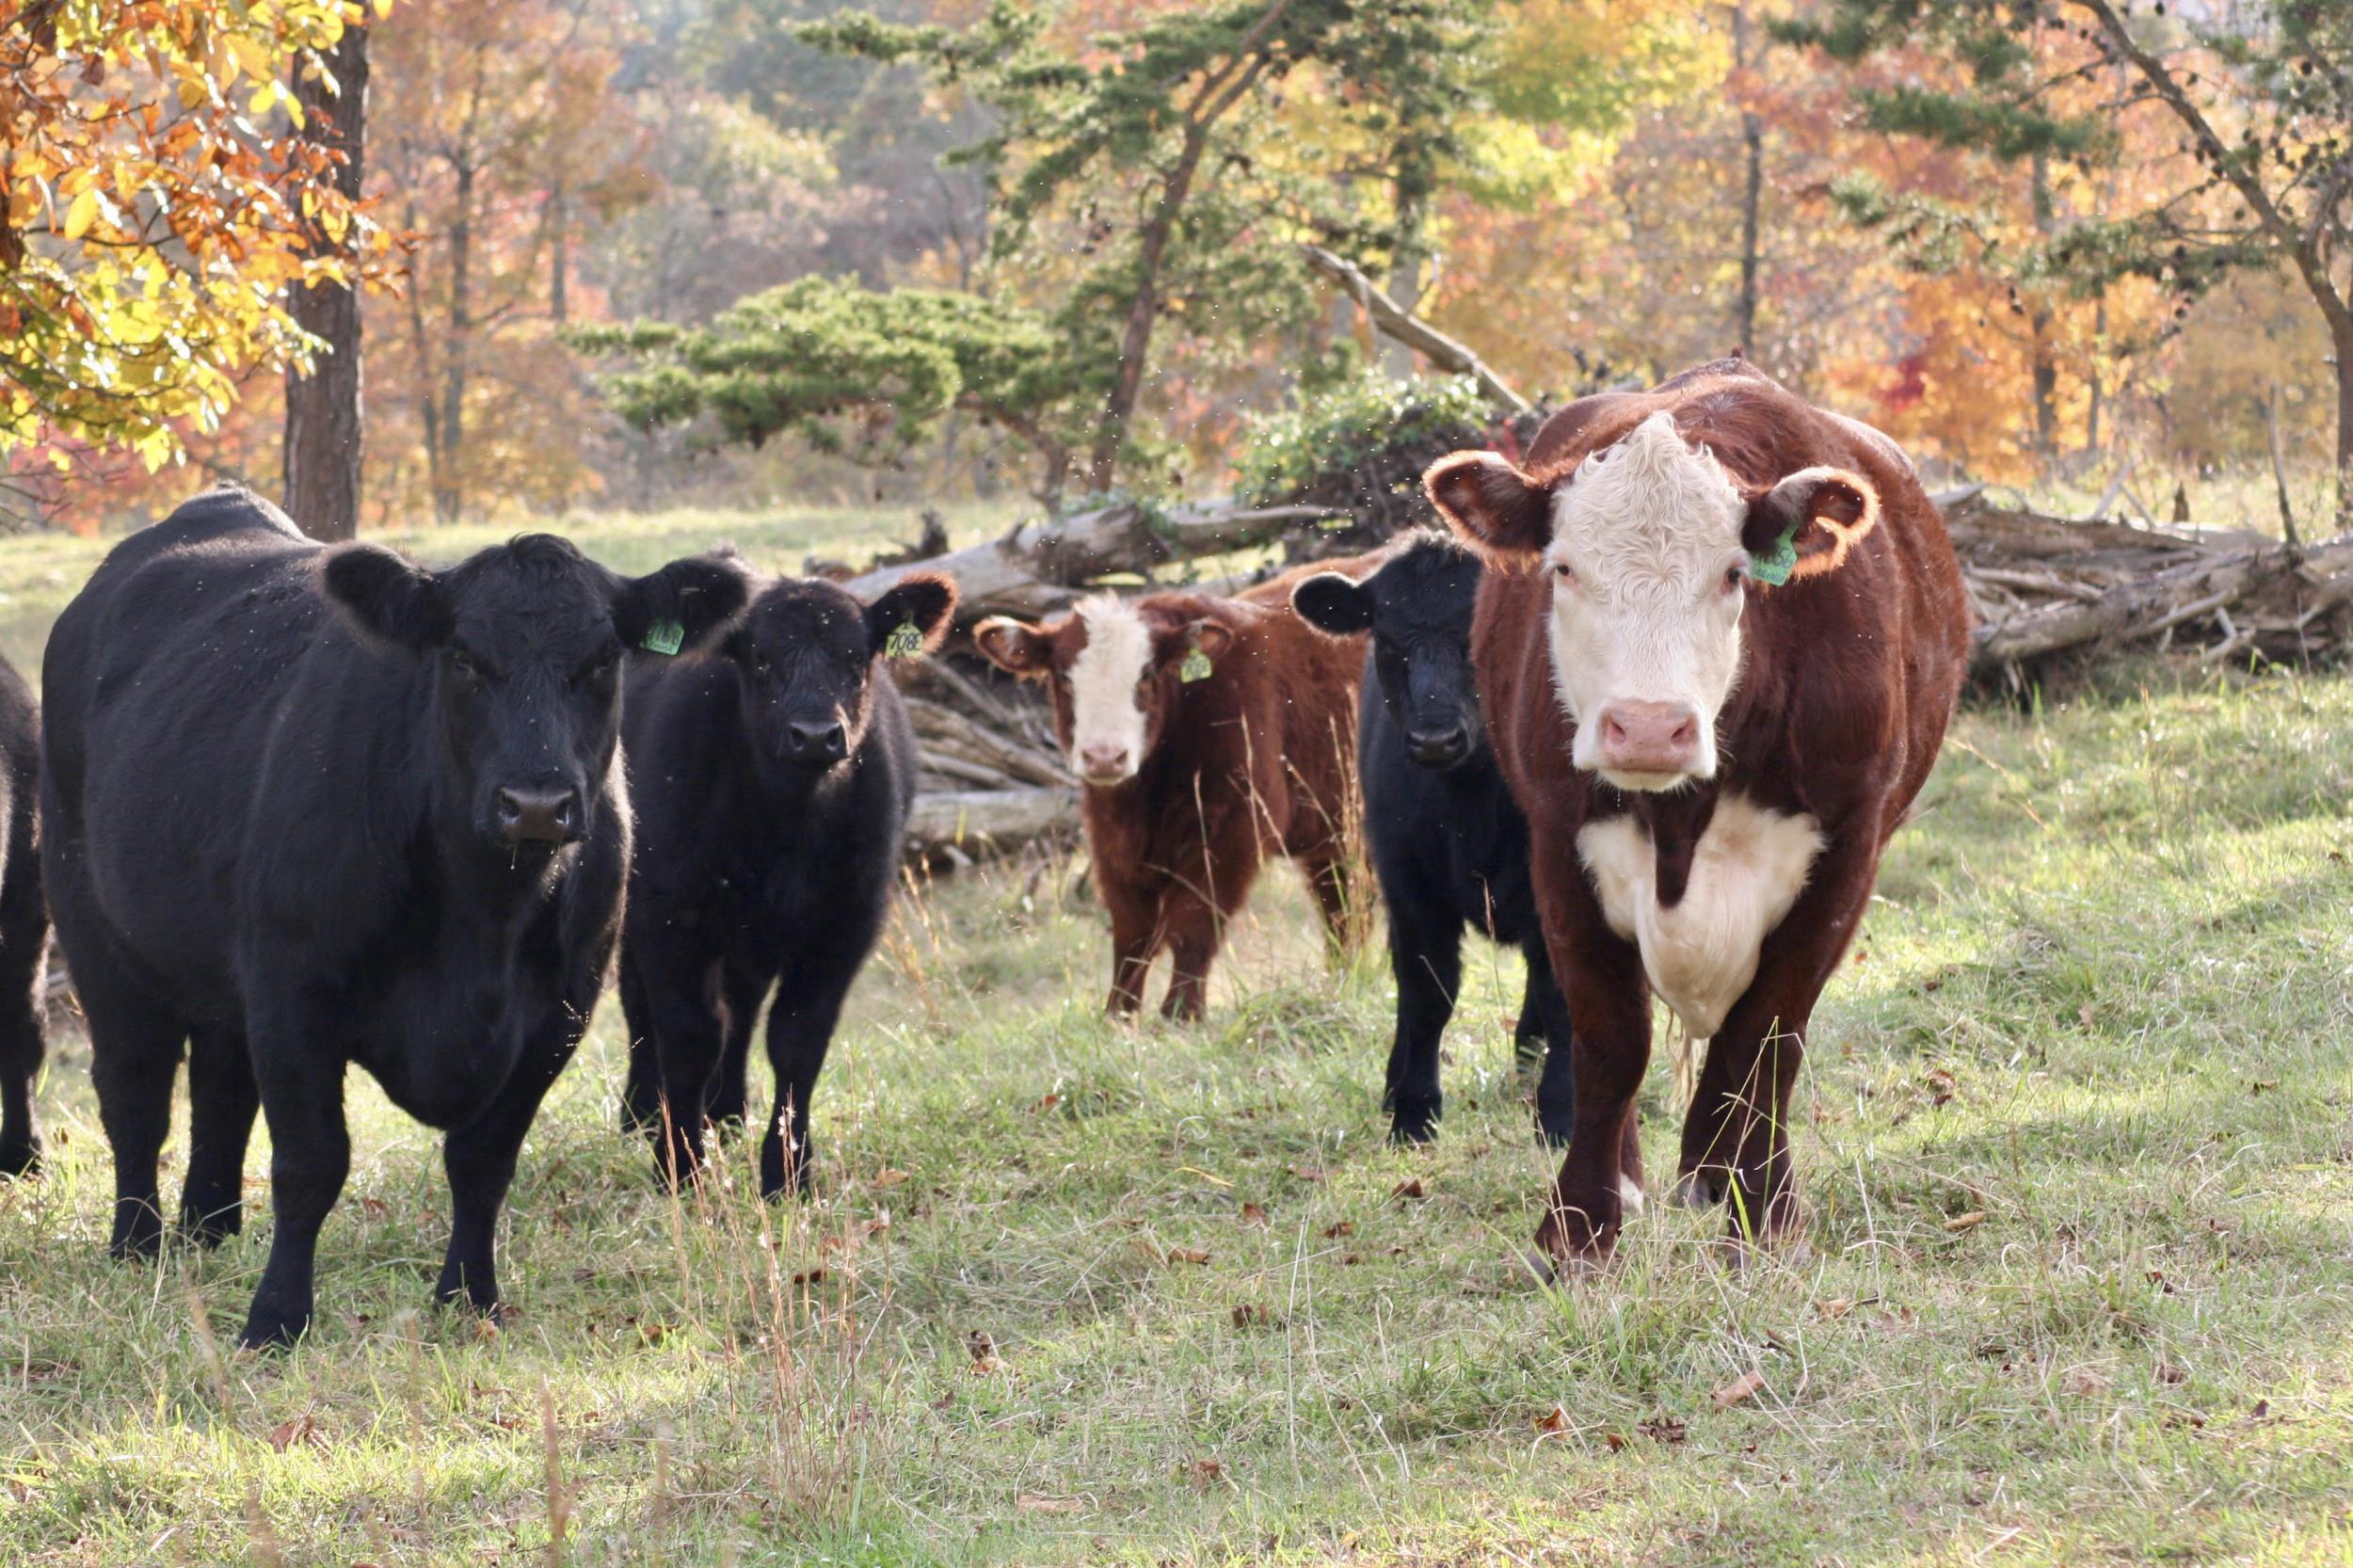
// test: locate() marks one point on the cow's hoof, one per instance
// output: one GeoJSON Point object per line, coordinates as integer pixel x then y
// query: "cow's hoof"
{"type": "Point", "coordinates": [1554, 1133]}
{"type": "Point", "coordinates": [1414, 1124]}
{"type": "Point", "coordinates": [1697, 1189]}
{"type": "Point", "coordinates": [272, 1331]}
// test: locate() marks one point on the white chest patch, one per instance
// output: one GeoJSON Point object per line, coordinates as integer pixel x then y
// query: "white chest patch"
{"type": "Point", "coordinates": [1103, 710]}
{"type": "Point", "coordinates": [1701, 955]}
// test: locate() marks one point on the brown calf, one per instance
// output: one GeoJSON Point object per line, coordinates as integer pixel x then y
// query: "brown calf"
{"type": "Point", "coordinates": [1715, 678]}
{"type": "Point", "coordinates": [1209, 733]}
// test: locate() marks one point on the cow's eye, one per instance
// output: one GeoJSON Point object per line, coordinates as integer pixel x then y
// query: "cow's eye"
{"type": "Point", "coordinates": [1733, 577]}
{"type": "Point", "coordinates": [595, 669]}
{"type": "Point", "coordinates": [1563, 572]}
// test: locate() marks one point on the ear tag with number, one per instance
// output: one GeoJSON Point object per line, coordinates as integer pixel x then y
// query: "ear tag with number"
{"type": "Point", "coordinates": [1195, 668]}
{"type": "Point", "coordinates": [1774, 566]}
{"type": "Point", "coordinates": [905, 642]}
{"type": "Point", "coordinates": [664, 637]}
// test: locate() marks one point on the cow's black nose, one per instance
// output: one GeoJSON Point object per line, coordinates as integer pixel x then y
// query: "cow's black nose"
{"type": "Point", "coordinates": [821, 742]}
{"type": "Point", "coordinates": [538, 814]}
{"type": "Point", "coordinates": [1439, 746]}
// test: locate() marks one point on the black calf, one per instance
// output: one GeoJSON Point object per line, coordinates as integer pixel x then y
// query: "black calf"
{"type": "Point", "coordinates": [1449, 844]}
{"type": "Point", "coordinates": [24, 923]}
{"type": "Point", "coordinates": [307, 808]}
{"type": "Point", "coordinates": [772, 781]}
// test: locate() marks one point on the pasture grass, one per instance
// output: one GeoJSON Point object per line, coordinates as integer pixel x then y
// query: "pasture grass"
{"type": "Point", "coordinates": [2075, 1137]}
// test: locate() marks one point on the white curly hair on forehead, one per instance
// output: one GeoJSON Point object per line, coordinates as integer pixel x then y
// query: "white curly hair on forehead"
{"type": "Point", "coordinates": [1650, 510]}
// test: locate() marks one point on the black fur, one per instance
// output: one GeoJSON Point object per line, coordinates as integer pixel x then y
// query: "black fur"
{"type": "Point", "coordinates": [772, 781]}
{"type": "Point", "coordinates": [276, 827]}
{"type": "Point", "coordinates": [24, 923]}
{"type": "Point", "coordinates": [1450, 846]}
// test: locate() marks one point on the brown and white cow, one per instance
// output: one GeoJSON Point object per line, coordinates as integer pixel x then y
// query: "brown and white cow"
{"type": "Point", "coordinates": [1209, 733]}
{"type": "Point", "coordinates": [1710, 765]}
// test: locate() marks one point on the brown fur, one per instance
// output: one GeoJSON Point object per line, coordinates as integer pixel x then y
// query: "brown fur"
{"type": "Point", "coordinates": [1851, 676]}
{"type": "Point", "coordinates": [1260, 759]}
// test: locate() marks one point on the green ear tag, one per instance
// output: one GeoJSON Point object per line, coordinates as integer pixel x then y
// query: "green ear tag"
{"type": "Point", "coordinates": [1195, 668]}
{"type": "Point", "coordinates": [1773, 568]}
{"type": "Point", "coordinates": [905, 642]}
{"type": "Point", "coordinates": [664, 637]}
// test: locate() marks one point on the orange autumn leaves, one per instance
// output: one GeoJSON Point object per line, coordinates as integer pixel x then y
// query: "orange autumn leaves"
{"type": "Point", "coordinates": [154, 202]}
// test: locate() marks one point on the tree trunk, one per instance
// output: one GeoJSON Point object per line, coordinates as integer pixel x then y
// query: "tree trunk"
{"type": "Point", "coordinates": [2341, 334]}
{"type": "Point", "coordinates": [323, 408]}
{"type": "Point", "coordinates": [2038, 319]}
{"type": "Point", "coordinates": [1144, 309]}
{"type": "Point", "coordinates": [559, 258]}
{"type": "Point", "coordinates": [1751, 195]}
{"type": "Point", "coordinates": [449, 483]}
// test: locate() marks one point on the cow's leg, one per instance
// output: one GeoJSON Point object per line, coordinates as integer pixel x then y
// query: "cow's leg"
{"type": "Point", "coordinates": [301, 1082]}
{"type": "Point", "coordinates": [682, 996]}
{"type": "Point", "coordinates": [1555, 1050]}
{"type": "Point", "coordinates": [479, 1158]}
{"type": "Point", "coordinates": [1427, 957]}
{"type": "Point", "coordinates": [800, 1029]}
{"type": "Point", "coordinates": [1710, 1130]}
{"type": "Point", "coordinates": [20, 1001]}
{"type": "Point", "coordinates": [1611, 1006]}
{"type": "Point", "coordinates": [1195, 931]}
{"type": "Point", "coordinates": [744, 988]}
{"type": "Point", "coordinates": [222, 1099]}
{"type": "Point", "coordinates": [640, 1090]}
{"type": "Point", "coordinates": [1135, 939]}
{"type": "Point", "coordinates": [1754, 1059]}
{"type": "Point", "coordinates": [135, 1059]}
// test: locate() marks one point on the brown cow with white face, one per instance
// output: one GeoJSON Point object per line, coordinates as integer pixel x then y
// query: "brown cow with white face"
{"type": "Point", "coordinates": [1209, 733]}
{"type": "Point", "coordinates": [1717, 674]}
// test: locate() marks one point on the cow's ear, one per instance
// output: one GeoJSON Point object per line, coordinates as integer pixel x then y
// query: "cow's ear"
{"type": "Point", "coordinates": [923, 600]}
{"type": "Point", "coordinates": [682, 605]}
{"type": "Point", "coordinates": [1806, 525]}
{"type": "Point", "coordinates": [1330, 602]}
{"type": "Point", "coordinates": [1212, 637]}
{"type": "Point", "coordinates": [387, 598]}
{"type": "Point", "coordinates": [1491, 505]}
{"type": "Point", "coordinates": [1015, 647]}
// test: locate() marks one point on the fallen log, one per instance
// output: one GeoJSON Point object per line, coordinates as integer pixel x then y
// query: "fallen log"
{"type": "Point", "coordinates": [955, 826]}
{"type": "Point", "coordinates": [1040, 567]}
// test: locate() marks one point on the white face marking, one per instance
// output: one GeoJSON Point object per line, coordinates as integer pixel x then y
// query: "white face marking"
{"type": "Point", "coordinates": [1649, 529]}
{"type": "Point", "coordinates": [1105, 717]}
{"type": "Point", "coordinates": [1702, 954]}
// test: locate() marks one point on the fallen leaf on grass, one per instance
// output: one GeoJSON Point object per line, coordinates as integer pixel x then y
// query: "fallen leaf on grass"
{"type": "Point", "coordinates": [1664, 1428]}
{"type": "Point", "coordinates": [2083, 1015]}
{"type": "Point", "coordinates": [1409, 1189]}
{"type": "Point", "coordinates": [1207, 1470]}
{"type": "Point", "coordinates": [375, 1209]}
{"type": "Point", "coordinates": [1188, 1254]}
{"type": "Point", "coordinates": [983, 1350]}
{"type": "Point", "coordinates": [887, 1176]}
{"type": "Point", "coordinates": [1616, 1441]}
{"type": "Point", "coordinates": [653, 1333]}
{"type": "Point", "coordinates": [1553, 1422]}
{"type": "Point", "coordinates": [1970, 1220]}
{"type": "Point", "coordinates": [1739, 1389]}
{"type": "Point", "coordinates": [2171, 1374]}
{"type": "Point", "coordinates": [302, 1429]}
{"type": "Point", "coordinates": [2083, 1381]}
{"type": "Point", "coordinates": [1252, 1314]}
{"type": "Point", "coordinates": [1049, 1102]}
{"type": "Point", "coordinates": [1031, 1503]}
{"type": "Point", "coordinates": [1837, 1306]}
{"type": "Point", "coordinates": [2259, 1085]}
{"type": "Point", "coordinates": [1255, 1214]}
{"type": "Point", "coordinates": [1941, 1087]}
{"type": "Point", "coordinates": [1304, 1172]}
{"type": "Point", "coordinates": [1346, 1227]}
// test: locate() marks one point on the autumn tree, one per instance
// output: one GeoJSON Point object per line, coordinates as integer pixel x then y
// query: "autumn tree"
{"type": "Point", "coordinates": [1156, 170]}
{"type": "Point", "coordinates": [147, 228]}
{"type": "Point", "coordinates": [2260, 97]}
{"type": "Point", "coordinates": [496, 135]}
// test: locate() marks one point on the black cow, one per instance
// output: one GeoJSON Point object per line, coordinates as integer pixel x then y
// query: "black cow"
{"type": "Point", "coordinates": [306, 808]}
{"type": "Point", "coordinates": [773, 781]}
{"type": "Point", "coordinates": [1450, 846]}
{"type": "Point", "coordinates": [24, 923]}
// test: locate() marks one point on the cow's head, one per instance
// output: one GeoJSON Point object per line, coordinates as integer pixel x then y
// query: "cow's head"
{"type": "Point", "coordinates": [1418, 606]}
{"type": "Point", "coordinates": [805, 659]}
{"type": "Point", "coordinates": [522, 645]}
{"type": "Point", "coordinates": [1652, 549]}
{"type": "Point", "coordinates": [1115, 667]}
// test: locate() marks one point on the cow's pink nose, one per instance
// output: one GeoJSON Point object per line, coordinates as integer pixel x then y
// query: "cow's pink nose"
{"type": "Point", "coordinates": [1103, 761]}
{"type": "Point", "coordinates": [1649, 737]}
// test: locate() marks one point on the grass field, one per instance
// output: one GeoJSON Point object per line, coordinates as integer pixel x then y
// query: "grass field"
{"type": "Point", "coordinates": [2076, 1141]}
